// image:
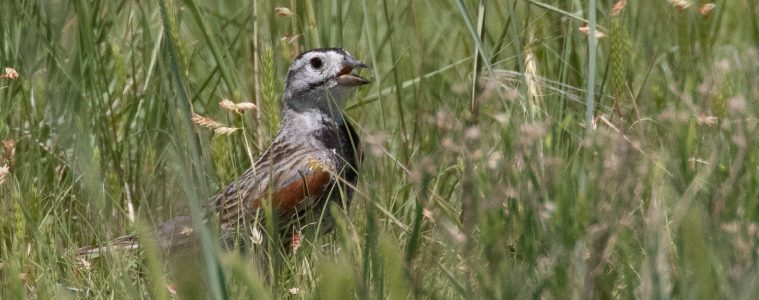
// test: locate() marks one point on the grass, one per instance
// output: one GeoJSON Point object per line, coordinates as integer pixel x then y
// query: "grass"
{"type": "Point", "coordinates": [482, 178]}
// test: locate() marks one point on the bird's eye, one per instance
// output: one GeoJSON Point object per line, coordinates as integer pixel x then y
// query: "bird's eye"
{"type": "Point", "coordinates": [316, 63]}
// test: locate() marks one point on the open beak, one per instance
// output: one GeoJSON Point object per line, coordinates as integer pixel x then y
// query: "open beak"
{"type": "Point", "coordinates": [346, 76]}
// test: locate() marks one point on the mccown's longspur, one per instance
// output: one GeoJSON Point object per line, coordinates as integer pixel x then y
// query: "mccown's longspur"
{"type": "Point", "coordinates": [312, 161]}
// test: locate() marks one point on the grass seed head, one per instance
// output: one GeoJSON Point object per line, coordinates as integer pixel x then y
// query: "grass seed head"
{"type": "Point", "coordinates": [494, 160]}
{"type": "Point", "coordinates": [9, 73]}
{"type": "Point", "coordinates": [4, 172]}
{"type": "Point", "coordinates": [185, 230]}
{"type": "Point", "coordinates": [295, 242]}
{"type": "Point", "coordinates": [243, 106]}
{"type": "Point", "coordinates": [83, 263]}
{"type": "Point", "coordinates": [255, 236]}
{"type": "Point", "coordinates": [228, 105]}
{"type": "Point", "coordinates": [9, 152]}
{"type": "Point", "coordinates": [171, 289]}
{"type": "Point", "coordinates": [737, 105]}
{"type": "Point", "coordinates": [283, 12]}
{"type": "Point", "coordinates": [217, 127]}
{"type": "Point", "coordinates": [618, 7]}
{"type": "Point", "coordinates": [707, 120]}
{"type": "Point", "coordinates": [706, 9]}
{"type": "Point", "coordinates": [681, 4]}
{"type": "Point", "coordinates": [472, 133]}
{"type": "Point", "coordinates": [376, 142]}
{"type": "Point", "coordinates": [225, 130]}
{"type": "Point", "coordinates": [206, 122]}
{"type": "Point", "coordinates": [585, 30]}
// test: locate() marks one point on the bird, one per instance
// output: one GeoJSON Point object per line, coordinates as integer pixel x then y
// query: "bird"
{"type": "Point", "coordinates": [312, 161]}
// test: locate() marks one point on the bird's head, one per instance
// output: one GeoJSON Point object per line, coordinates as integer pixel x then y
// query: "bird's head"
{"type": "Point", "coordinates": [319, 77]}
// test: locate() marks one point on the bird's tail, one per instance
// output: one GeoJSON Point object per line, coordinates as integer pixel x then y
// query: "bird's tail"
{"type": "Point", "coordinates": [124, 243]}
{"type": "Point", "coordinates": [169, 236]}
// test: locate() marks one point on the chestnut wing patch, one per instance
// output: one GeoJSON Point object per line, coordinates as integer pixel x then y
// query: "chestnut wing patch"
{"type": "Point", "coordinates": [285, 185]}
{"type": "Point", "coordinates": [287, 198]}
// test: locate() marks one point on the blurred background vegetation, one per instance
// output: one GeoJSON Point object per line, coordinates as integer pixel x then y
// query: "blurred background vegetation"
{"type": "Point", "coordinates": [482, 178]}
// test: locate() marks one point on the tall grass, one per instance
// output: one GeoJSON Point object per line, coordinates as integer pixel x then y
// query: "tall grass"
{"type": "Point", "coordinates": [483, 176]}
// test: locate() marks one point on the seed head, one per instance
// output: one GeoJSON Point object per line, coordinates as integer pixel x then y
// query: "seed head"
{"type": "Point", "coordinates": [9, 73]}
{"type": "Point", "coordinates": [681, 4]}
{"type": "Point", "coordinates": [4, 172]}
{"type": "Point", "coordinates": [586, 31]}
{"type": "Point", "coordinates": [228, 105]}
{"type": "Point", "coordinates": [618, 7]}
{"type": "Point", "coordinates": [283, 12]}
{"type": "Point", "coordinates": [706, 9]}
